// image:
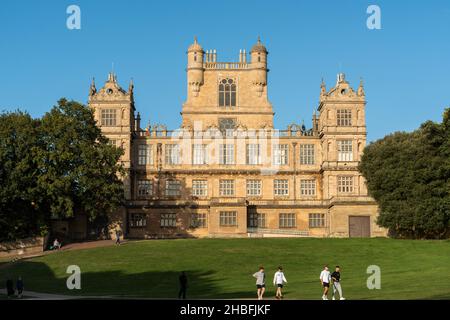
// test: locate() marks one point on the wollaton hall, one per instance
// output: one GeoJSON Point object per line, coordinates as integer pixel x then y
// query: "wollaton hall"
{"type": "Point", "coordinates": [226, 172]}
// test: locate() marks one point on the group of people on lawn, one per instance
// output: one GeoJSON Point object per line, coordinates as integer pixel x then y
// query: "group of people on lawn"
{"type": "Point", "coordinates": [326, 278]}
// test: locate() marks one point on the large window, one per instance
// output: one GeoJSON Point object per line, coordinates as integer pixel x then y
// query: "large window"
{"type": "Point", "coordinates": [344, 117]}
{"type": "Point", "coordinates": [172, 155]}
{"type": "Point", "coordinates": [228, 218]}
{"type": "Point", "coordinates": [316, 220]}
{"type": "Point", "coordinates": [108, 117]}
{"type": "Point", "coordinates": [227, 93]}
{"type": "Point", "coordinates": [308, 187]}
{"type": "Point", "coordinates": [345, 184]}
{"type": "Point", "coordinates": [145, 188]}
{"type": "Point", "coordinates": [169, 220]}
{"type": "Point", "coordinates": [226, 154]}
{"type": "Point", "coordinates": [281, 187]}
{"type": "Point", "coordinates": [280, 154]}
{"type": "Point", "coordinates": [253, 155]}
{"type": "Point", "coordinates": [145, 155]}
{"type": "Point", "coordinates": [200, 188]}
{"type": "Point", "coordinates": [198, 220]}
{"type": "Point", "coordinates": [227, 126]}
{"type": "Point", "coordinates": [253, 188]}
{"type": "Point", "coordinates": [137, 220]}
{"type": "Point", "coordinates": [199, 155]}
{"type": "Point", "coordinates": [288, 220]}
{"type": "Point", "coordinates": [257, 220]}
{"type": "Point", "coordinates": [307, 154]}
{"type": "Point", "coordinates": [173, 188]}
{"type": "Point", "coordinates": [226, 187]}
{"type": "Point", "coordinates": [345, 150]}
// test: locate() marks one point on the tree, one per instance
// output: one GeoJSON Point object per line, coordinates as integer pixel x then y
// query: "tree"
{"type": "Point", "coordinates": [79, 170]}
{"type": "Point", "coordinates": [18, 141]}
{"type": "Point", "coordinates": [408, 174]}
{"type": "Point", "coordinates": [55, 167]}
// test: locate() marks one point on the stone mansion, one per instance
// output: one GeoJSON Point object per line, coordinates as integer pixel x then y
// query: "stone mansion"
{"type": "Point", "coordinates": [227, 172]}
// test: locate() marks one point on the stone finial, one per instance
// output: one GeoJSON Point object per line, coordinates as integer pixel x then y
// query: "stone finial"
{"type": "Point", "coordinates": [92, 89]}
{"type": "Point", "coordinates": [131, 86]}
{"type": "Point", "coordinates": [361, 92]}
{"type": "Point", "coordinates": [323, 89]}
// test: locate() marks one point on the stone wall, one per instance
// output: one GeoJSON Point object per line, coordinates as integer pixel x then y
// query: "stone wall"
{"type": "Point", "coordinates": [22, 247]}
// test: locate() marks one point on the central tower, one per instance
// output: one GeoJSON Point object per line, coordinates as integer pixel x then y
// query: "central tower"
{"type": "Point", "coordinates": [230, 94]}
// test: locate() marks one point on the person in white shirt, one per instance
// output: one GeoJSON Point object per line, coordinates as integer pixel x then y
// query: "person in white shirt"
{"type": "Point", "coordinates": [278, 280]}
{"type": "Point", "coordinates": [325, 278]}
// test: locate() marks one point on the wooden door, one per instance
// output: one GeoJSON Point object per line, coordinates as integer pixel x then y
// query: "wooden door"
{"type": "Point", "coordinates": [359, 226]}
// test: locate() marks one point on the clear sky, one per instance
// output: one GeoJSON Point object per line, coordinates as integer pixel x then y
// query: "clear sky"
{"type": "Point", "coordinates": [405, 65]}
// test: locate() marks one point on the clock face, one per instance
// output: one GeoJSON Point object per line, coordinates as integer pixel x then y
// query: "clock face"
{"type": "Point", "coordinates": [109, 91]}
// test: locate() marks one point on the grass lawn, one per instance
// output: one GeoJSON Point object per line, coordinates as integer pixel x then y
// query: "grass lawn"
{"type": "Point", "coordinates": [219, 268]}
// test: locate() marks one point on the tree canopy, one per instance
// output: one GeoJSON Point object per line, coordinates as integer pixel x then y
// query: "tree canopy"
{"type": "Point", "coordinates": [55, 167]}
{"type": "Point", "coordinates": [408, 174]}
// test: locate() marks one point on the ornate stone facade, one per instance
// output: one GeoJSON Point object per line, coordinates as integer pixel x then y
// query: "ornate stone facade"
{"type": "Point", "coordinates": [227, 172]}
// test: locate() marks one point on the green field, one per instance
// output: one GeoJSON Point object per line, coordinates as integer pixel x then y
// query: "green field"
{"type": "Point", "coordinates": [223, 268]}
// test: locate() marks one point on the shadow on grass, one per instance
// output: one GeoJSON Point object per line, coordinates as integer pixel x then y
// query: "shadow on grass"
{"type": "Point", "coordinates": [39, 277]}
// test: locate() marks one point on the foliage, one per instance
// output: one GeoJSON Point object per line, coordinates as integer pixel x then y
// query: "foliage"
{"type": "Point", "coordinates": [408, 174]}
{"type": "Point", "coordinates": [55, 167]}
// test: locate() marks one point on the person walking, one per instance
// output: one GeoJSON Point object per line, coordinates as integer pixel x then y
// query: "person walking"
{"type": "Point", "coordinates": [183, 285]}
{"type": "Point", "coordinates": [9, 288]}
{"type": "Point", "coordinates": [279, 280]}
{"type": "Point", "coordinates": [260, 282]}
{"type": "Point", "coordinates": [325, 281]}
{"type": "Point", "coordinates": [117, 237]}
{"type": "Point", "coordinates": [19, 287]}
{"type": "Point", "coordinates": [336, 277]}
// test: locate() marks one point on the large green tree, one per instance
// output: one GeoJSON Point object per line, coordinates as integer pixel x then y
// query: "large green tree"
{"type": "Point", "coordinates": [56, 167]}
{"type": "Point", "coordinates": [408, 174]}
{"type": "Point", "coordinates": [19, 217]}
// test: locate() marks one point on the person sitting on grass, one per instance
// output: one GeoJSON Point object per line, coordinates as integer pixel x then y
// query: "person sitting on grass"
{"type": "Point", "coordinates": [56, 245]}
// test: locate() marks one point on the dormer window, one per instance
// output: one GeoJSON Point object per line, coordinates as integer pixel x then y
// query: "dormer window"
{"type": "Point", "coordinates": [227, 93]}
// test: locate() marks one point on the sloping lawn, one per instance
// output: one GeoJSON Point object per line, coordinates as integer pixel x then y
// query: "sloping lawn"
{"type": "Point", "coordinates": [223, 268]}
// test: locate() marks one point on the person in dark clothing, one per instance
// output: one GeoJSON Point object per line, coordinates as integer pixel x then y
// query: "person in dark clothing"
{"type": "Point", "coordinates": [118, 237]}
{"type": "Point", "coordinates": [19, 287]}
{"type": "Point", "coordinates": [9, 288]}
{"type": "Point", "coordinates": [183, 286]}
{"type": "Point", "coordinates": [336, 277]}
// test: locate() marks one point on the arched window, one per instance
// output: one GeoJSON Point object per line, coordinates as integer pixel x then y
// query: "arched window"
{"type": "Point", "coordinates": [227, 93]}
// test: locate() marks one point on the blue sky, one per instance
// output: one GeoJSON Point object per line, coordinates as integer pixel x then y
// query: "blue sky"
{"type": "Point", "coordinates": [405, 65]}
